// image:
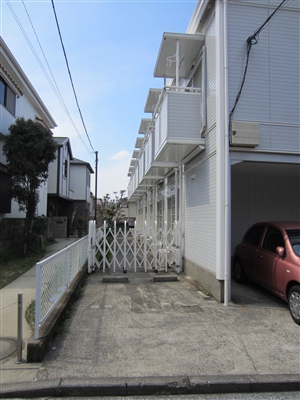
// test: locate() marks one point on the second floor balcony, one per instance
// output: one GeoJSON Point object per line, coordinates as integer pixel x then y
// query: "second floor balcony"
{"type": "Point", "coordinates": [177, 122]}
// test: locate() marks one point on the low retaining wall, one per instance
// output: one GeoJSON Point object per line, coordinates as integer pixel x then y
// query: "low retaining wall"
{"type": "Point", "coordinates": [205, 278]}
{"type": "Point", "coordinates": [37, 348]}
{"type": "Point", "coordinates": [11, 234]}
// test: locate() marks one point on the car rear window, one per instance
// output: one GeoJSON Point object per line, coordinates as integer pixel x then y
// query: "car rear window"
{"type": "Point", "coordinates": [294, 236]}
{"type": "Point", "coordinates": [254, 235]}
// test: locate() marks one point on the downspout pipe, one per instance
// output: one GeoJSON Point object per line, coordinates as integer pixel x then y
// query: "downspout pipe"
{"type": "Point", "coordinates": [220, 178]}
{"type": "Point", "coordinates": [223, 234]}
{"type": "Point", "coordinates": [227, 236]}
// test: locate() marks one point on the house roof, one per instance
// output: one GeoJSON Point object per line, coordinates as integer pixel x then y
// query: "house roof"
{"type": "Point", "coordinates": [76, 161]}
{"type": "Point", "coordinates": [17, 79]}
{"type": "Point", "coordinates": [61, 141]}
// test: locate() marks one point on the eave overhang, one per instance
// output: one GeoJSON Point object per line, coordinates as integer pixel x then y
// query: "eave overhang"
{"type": "Point", "coordinates": [146, 123]}
{"type": "Point", "coordinates": [189, 47]}
{"type": "Point", "coordinates": [139, 142]}
{"type": "Point", "coordinates": [152, 100]}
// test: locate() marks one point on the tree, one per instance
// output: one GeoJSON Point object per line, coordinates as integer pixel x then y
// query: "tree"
{"type": "Point", "coordinates": [29, 148]}
{"type": "Point", "coordinates": [111, 210]}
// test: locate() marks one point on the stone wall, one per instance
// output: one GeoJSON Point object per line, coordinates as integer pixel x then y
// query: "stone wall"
{"type": "Point", "coordinates": [11, 234]}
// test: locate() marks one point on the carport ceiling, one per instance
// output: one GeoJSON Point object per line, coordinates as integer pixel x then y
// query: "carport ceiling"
{"type": "Point", "coordinates": [248, 169]}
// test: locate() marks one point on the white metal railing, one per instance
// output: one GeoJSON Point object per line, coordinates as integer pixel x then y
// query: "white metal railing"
{"type": "Point", "coordinates": [54, 275]}
{"type": "Point", "coordinates": [133, 249]}
{"type": "Point", "coordinates": [176, 89]}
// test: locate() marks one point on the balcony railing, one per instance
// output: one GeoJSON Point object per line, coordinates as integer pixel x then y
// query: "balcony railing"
{"type": "Point", "coordinates": [177, 123]}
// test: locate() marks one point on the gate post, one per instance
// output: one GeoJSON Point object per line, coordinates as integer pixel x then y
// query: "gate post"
{"type": "Point", "coordinates": [115, 244]}
{"type": "Point", "coordinates": [104, 247]}
{"type": "Point", "coordinates": [90, 247]}
{"type": "Point", "coordinates": [145, 246]}
{"type": "Point", "coordinates": [134, 244]}
{"type": "Point", "coordinates": [125, 249]}
{"type": "Point", "coordinates": [165, 245]}
{"type": "Point", "coordinates": [154, 236]}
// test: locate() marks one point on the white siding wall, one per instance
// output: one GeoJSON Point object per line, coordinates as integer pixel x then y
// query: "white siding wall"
{"type": "Point", "coordinates": [200, 192]}
{"type": "Point", "coordinates": [210, 42]}
{"type": "Point", "coordinates": [271, 94]}
{"type": "Point", "coordinates": [42, 205]}
{"type": "Point", "coordinates": [52, 177]}
{"type": "Point", "coordinates": [78, 182]}
{"type": "Point", "coordinates": [24, 108]}
{"type": "Point", "coordinates": [200, 214]}
{"type": "Point", "coordinates": [6, 120]}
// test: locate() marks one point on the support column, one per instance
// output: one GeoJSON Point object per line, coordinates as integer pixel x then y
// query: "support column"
{"type": "Point", "coordinates": [165, 219]}
{"type": "Point", "coordinates": [177, 62]}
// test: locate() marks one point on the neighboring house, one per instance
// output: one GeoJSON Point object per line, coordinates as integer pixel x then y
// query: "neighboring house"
{"type": "Point", "coordinates": [212, 170]}
{"type": "Point", "coordinates": [18, 98]}
{"type": "Point", "coordinates": [80, 181]}
{"type": "Point", "coordinates": [60, 196]}
{"type": "Point", "coordinates": [68, 190]}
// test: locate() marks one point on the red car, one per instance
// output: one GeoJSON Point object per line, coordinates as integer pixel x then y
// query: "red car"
{"type": "Point", "coordinates": [269, 254]}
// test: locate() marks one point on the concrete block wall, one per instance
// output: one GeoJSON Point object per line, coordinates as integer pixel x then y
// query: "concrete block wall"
{"type": "Point", "coordinates": [11, 234]}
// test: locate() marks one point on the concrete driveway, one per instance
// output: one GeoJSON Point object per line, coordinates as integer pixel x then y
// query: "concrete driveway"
{"type": "Point", "coordinates": [144, 328]}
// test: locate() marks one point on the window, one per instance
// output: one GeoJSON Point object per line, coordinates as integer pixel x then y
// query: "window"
{"type": "Point", "coordinates": [65, 168]}
{"type": "Point", "coordinates": [5, 199]}
{"type": "Point", "coordinates": [160, 215]}
{"type": "Point", "coordinates": [254, 235]}
{"type": "Point", "coordinates": [7, 97]}
{"type": "Point", "coordinates": [294, 236]}
{"type": "Point", "coordinates": [272, 240]}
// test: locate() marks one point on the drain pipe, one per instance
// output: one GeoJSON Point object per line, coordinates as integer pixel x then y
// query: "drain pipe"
{"type": "Point", "coordinates": [227, 170]}
{"type": "Point", "coordinates": [223, 169]}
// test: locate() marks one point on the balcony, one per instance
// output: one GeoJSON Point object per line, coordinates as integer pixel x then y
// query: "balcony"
{"type": "Point", "coordinates": [174, 133]}
{"type": "Point", "coordinates": [177, 119]}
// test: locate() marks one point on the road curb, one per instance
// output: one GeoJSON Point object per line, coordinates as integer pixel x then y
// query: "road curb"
{"type": "Point", "coordinates": [147, 386]}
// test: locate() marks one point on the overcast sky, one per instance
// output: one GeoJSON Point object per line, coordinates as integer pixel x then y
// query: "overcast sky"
{"type": "Point", "coordinates": [112, 47]}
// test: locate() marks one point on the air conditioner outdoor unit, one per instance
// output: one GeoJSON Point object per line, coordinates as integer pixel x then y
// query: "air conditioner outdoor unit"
{"type": "Point", "coordinates": [246, 134]}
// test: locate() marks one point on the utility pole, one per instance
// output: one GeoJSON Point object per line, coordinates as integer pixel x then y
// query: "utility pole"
{"type": "Point", "coordinates": [96, 179]}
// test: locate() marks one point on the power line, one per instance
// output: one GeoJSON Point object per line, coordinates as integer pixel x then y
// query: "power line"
{"type": "Point", "coordinates": [53, 86]}
{"type": "Point", "coordinates": [69, 72]}
{"type": "Point", "coordinates": [252, 40]}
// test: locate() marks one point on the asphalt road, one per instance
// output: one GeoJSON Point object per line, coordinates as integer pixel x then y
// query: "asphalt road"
{"type": "Point", "coordinates": [230, 396]}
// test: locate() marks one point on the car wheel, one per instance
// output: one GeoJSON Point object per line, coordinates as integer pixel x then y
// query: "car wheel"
{"type": "Point", "coordinates": [239, 273]}
{"type": "Point", "coordinates": [294, 303]}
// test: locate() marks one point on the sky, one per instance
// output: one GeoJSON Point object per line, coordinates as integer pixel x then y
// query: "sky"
{"type": "Point", "coordinates": [111, 48]}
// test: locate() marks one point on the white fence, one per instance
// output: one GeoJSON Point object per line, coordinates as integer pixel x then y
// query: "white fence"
{"type": "Point", "coordinates": [124, 248]}
{"type": "Point", "coordinates": [54, 275]}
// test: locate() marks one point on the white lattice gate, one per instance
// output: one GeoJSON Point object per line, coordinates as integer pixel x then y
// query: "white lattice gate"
{"type": "Point", "coordinates": [131, 249]}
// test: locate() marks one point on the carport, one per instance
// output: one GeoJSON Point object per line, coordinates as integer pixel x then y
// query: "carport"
{"type": "Point", "coordinates": [263, 191]}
